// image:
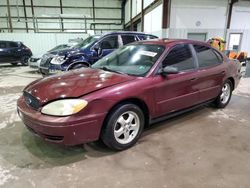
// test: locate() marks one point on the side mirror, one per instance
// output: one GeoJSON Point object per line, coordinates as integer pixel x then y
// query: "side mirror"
{"type": "Point", "coordinates": [98, 49]}
{"type": "Point", "coordinates": [169, 70]}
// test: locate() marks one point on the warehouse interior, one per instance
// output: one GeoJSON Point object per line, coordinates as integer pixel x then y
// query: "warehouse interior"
{"type": "Point", "coordinates": [205, 147]}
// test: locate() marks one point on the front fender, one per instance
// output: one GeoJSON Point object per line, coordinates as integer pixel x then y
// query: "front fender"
{"type": "Point", "coordinates": [73, 59]}
{"type": "Point", "coordinates": [80, 59]}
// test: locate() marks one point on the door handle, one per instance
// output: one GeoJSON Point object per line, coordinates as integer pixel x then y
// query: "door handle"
{"type": "Point", "coordinates": [193, 79]}
{"type": "Point", "coordinates": [223, 72]}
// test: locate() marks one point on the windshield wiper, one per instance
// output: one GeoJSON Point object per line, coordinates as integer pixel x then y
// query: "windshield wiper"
{"type": "Point", "coordinates": [111, 70]}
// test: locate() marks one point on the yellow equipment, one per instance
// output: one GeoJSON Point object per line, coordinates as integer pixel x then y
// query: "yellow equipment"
{"type": "Point", "coordinates": [220, 44]}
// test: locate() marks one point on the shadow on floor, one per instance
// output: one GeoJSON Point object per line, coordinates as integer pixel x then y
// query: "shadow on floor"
{"type": "Point", "coordinates": [24, 150]}
{"type": "Point", "coordinates": [177, 120]}
{"type": "Point", "coordinates": [6, 65]}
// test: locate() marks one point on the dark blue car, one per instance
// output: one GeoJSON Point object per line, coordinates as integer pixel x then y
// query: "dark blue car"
{"type": "Point", "coordinates": [88, 51]}
{"type": "Point", "coordinates": [14, 53]}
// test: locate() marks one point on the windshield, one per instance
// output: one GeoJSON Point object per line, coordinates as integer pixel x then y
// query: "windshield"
{"type": "Point", "coordinates": [60, 47]}
{"type": "Point", "coordinates": [85, 43]}
{"type": "Point", "coordinates": [136, 59]}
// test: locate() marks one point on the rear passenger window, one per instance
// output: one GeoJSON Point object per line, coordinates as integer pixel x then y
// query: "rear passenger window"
{"type": "Point", "coordinates": [3, 45]}
{"type": "Point", "coordinates": [126, 39]}
{"type": "Point", "coordinates": [13, 45]}
{"type": "Point", "coordinates": [110, 42]}
{"type": "Point", "coordinates": [207, 56]}
{"type": "Point", "coordinates": [151, 37]}
{"type": "Point", "coordinates": [180, 57]}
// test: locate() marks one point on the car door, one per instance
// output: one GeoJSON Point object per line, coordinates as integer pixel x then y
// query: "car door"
{"type": "Point", "coordinates": [3, 52]}
{"type": "Point", "coordinates": [14, 51]}
{"type": "Point", "coordinates": [177, 91]}
{"type": "Point", "coordinates": [105, 46]}
{"type": "Point", "coordinates": [108, 45]}
{"type": "Point", "coordinates": [211, 72]}
{"type": "Point", "coordinates": [126, 39]}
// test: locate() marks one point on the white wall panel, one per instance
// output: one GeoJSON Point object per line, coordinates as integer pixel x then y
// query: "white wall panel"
{"type": "Point", "coordinates": [81, 11]}
{"type": "Point", "coordinates": [146, 3]}
{"type": "Point", "coordinates": [200, 14]}
{"type": "Point", "coordinates": [3, 11]}
{"type": "Point", "coordinates": [46, 11]}
{"type": "Point", "coordinates": [153, 21]}
{"type": "Point", "coordinates": [39, 43]}
{"type": "Point", "coordinates": [134, 4]}
{"type": "Point", "coordinates": [182, 33]}
{"type": "Point", "coordinates": [107, 3]}
{"type": "Point", "coordinates": [86, 3]}
{"type": "Point", "coordinates": [108, 13]}
{"type": "Point", "coordinates": [241, 16]}
{"type": "Point", "coordinates": [136, 7]}
{"type": "Point", "coordinates": [41, 2]}
{"type": "Point", "coordinates": [127, 11]}
{"type": "Point", "coordinates": [240, 23]}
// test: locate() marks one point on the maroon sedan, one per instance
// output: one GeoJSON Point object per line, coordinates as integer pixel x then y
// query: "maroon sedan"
{"type": "Point", "coordinates": [134, 86]}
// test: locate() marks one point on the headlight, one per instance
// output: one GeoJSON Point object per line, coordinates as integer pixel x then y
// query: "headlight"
{"type": "Point", "coordinates": [64, 107]}
{"type": "Point", "coordinates": [38, 62]}
{"type": "Point", "coordinates": [58, 60]}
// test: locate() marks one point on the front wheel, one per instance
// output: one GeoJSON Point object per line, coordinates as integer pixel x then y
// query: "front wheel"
{"type": "Point", "coordinates": [225, 95]}
{"type": "Point", "coordinates": [24, 60]}
{"type": "Point", "coordinates": [123, 127]}
{"type": "Point", "coordinates": [14, 64]}
{"type": "Point", "coordinates": [78, 66]}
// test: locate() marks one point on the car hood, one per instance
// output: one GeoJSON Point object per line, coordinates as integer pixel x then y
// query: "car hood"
{"type": "Point", "coordinates": [74, 84]}
{"type": "Point", "coordinates": [66, 52]}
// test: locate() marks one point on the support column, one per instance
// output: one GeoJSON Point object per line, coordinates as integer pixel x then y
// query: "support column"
{"type": "Point", "coordinates": [33, 15]}
{"type": "Point", "coordinates": [166, 6]}
{"type": "Point", "coordinates": [131, 21]}
{"type": "Point", "coordinates": [25, 15]}
{"type": "Point", "coordinates": [61, 10]}
{"type": "Point", "coordinates": [9, 16]}
{"type": "Point", "coordinates": [93, 5]}
{"type": "Point", "coordinates": [231, 3]}
{"type": "Point", "coordinates": [142, 16]}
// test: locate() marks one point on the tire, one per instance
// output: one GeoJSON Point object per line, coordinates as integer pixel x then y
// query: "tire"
{"type": "Point", "coordinates": [78, 66]}
{"type": "Point", "coordinates": [225, 95]}
{"type": "Point", "coordinates": [14, 64]}
{"type": "Point", "coordinates": [123, 127]}
{"type": "Point", "coordinates": [24, 60]}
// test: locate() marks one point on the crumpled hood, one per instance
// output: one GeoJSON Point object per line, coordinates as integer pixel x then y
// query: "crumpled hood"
{"type": "Point", "coordinates": [74, 84]}
{"type": "Point", "coordinates": [66, 52]}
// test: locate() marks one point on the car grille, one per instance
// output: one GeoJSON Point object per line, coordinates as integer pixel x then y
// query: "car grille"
{"type": "Point", "coordinates": [34, 59]}
{"type": "Point", "coordinates": [31, 100]}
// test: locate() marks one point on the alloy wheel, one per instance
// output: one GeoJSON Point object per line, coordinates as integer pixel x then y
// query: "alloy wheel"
{"type": "Point", "coordinates": [225, 93]}
{"type": "Point", "coordinates": [126, 127]}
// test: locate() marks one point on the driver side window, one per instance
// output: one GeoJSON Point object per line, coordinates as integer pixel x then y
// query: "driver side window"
{"type": "Point", "coordinates": [180, 57]}
{"type": "Point", "coordinates": [110, 42]}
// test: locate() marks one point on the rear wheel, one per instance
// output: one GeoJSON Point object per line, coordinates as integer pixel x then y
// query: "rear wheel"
{"type": "Point", "coordinates": [14, 64]}
{"type": "Point", "coordinates": [123, 127]}
{"type": "Point", "coordinates": [24, 60]}
{"type": "Point", "coordinates": [225, 95]}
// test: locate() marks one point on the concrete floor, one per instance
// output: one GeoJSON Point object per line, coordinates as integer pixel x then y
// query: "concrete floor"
{"type": "Point", "coordinates": [204, 148]}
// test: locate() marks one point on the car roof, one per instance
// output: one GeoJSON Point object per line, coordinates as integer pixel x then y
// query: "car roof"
{"type": "Point", "coordinates": [172, 42]}
{"type": "Point", "coordinates": [127, 32]}
{"type": "Point", "coordinates": [8, 41]}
